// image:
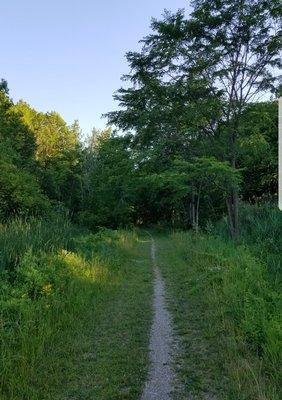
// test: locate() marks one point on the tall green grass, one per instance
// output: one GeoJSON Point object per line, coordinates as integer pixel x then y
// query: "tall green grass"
{"type": "Point", "coordinates": [18, 236]}
{"type": "Point", "coordinates": [228, 315]}
{"type": "Point", "coordinates": [261, 231]}
{"type": "Point", "coordinates": [74, 313]}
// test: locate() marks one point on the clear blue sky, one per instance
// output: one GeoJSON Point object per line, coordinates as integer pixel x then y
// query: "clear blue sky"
{"type": "Point", "coordinates": [69, 55]}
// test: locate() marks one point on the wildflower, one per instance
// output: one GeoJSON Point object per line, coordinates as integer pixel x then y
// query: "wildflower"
{"type": "Point", "coordinates": [46, 289]}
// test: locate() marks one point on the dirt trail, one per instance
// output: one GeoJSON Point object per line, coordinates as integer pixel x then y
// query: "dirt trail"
{"type": "Point", "coordinates": [161, 377]}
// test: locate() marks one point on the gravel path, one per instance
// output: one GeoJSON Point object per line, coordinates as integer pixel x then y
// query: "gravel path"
{"type": "Point", "coordinates": [160, 380]}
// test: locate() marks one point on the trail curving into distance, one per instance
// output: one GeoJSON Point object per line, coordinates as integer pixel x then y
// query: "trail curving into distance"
{"type": "Point", "coordinates": [161, 376]}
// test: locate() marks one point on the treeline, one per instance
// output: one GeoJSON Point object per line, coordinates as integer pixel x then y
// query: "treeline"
{"type": "Point", "coordinates": [195, 140]}
{"type": "Point", "coordinates": [110, 180]}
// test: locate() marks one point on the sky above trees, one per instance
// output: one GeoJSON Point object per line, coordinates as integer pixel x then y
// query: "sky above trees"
{"type": "Point", "coordinates": [69, 56]}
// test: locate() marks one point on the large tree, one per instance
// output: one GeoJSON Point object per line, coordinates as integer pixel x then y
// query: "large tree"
{"type": "Point", "coordinates": [236, 49]}
{"type": "Point", "coordinates": [194, 77]}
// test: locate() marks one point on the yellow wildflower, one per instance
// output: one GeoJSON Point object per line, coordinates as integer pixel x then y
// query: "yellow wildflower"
{"type": "Point", "coordinates": [47, 288]}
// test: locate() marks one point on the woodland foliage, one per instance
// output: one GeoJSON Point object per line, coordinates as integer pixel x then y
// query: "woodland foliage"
{"type": "Point", "coordinates": [196, 140]}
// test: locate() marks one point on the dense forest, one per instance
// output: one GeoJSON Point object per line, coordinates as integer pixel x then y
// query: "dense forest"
{"type": "Point", "coordinates": [192, 147]}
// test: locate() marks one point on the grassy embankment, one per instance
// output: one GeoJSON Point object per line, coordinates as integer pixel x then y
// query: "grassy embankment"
{"type": "Point", "coordinates": [75, 313]}
{"type": "Point", "coordinates": [227, 308]}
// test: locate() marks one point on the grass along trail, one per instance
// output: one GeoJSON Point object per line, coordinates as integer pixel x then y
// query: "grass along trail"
{"type": "Point", "coordinates": [218, 295]}
{"type": "Point", "coordinates": [160, 381]}
{"type": "Point", "coordinates": [87, 335]}
{"type": "Point", "coordinates": [87, 317]}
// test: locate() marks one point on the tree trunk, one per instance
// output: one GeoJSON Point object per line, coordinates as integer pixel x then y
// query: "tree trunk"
{"type": "Point", "coordinates": [233, 209]}
{"type": "Point", "coordinates": [233, 214]}
{"type": "Point", "coordinates": [197, 214]}
{"type": "Point", "coordinates": [193, 210]}
{"type": "Point", "coordinates": [233, 201]}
